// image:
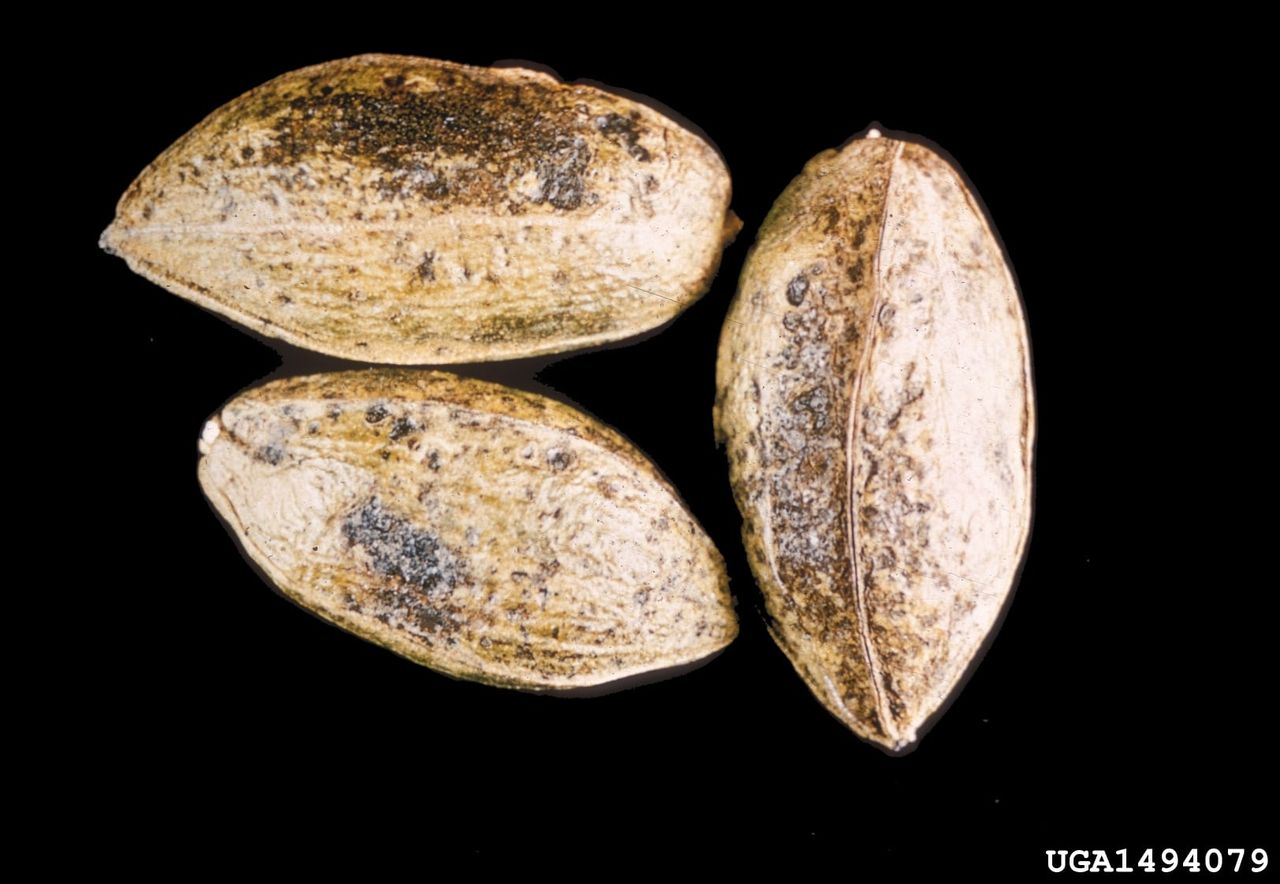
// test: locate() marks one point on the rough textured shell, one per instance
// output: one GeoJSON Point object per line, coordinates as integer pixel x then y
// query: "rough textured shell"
{"type": "Point", "coordinates": [403, 210]}
{"type": "Point", "coordinates": [874, 391]}
{"type": "Point", "coordinates": [487, 533]}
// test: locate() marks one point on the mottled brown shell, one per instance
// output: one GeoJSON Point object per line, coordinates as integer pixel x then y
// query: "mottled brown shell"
{"type": "Point", "coordinates": [874, 391]}
{"type": "Point", "coordinates": [487, 533]}
{"type": "Point", "coordinates": [403, 210]}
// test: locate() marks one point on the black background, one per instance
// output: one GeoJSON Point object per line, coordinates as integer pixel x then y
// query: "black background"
{"type": "Point", "coordinates": [1118, 707]}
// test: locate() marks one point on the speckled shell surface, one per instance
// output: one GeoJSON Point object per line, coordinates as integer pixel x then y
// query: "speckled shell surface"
{"type": "Point", "coordinates": [487, 533]}
{"type": "Point", "coordinates": [404, 210]}
{"type": "Point", "coordinates": [874, 392]}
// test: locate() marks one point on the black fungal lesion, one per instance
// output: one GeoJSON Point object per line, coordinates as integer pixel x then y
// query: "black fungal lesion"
{"type": "Point", "coordinates": [375, 413]}
{"type": "Point", "coordinates": [626, 132]}
{"type": "Point", "coordinates": [400, 550]}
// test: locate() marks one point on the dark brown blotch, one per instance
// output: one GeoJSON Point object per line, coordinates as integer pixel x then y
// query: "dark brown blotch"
{"type": "Point", "coordinates": [508, 129]}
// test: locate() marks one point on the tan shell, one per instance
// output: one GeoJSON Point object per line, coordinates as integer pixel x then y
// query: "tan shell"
{"type": "Point", "coordinates": [403, 210]}
{"type": "Point", "coordinates": [484, 532]}
{"type": "Point", "coordinates": [874, 390]}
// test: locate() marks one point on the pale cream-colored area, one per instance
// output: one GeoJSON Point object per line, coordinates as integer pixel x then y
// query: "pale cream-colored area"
{"type": "Point", "coordinates": [890, 549]}
{"type": "Point", "coordinates": [556, 556]}
{"type": "Point", "coordinates": [346, 257]}
{"type": "Point", "coordinates": [957, 340]}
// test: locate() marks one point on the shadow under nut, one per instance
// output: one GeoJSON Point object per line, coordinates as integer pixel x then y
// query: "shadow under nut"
{"type": "Point", "coordinates": [874, 394]}
{"type": "Point", "coordinates": [404, 210]}
{"type": "Point", "coordinates": [487, 533]}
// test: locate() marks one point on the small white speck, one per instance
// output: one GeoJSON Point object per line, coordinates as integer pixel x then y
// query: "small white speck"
{"type": "Point", "coordinates": [874, 133]}
{"type": "Point", "coordinates": [208, 435]}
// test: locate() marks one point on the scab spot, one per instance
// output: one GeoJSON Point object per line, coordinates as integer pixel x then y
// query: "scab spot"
{"type": "Point", "coordinates": [817, 402]}
{"type": "Point", "coordinates": [856, 270]}
{"type": "Point", "coordinates": [272, 454]}
{"type": "Point", "coordinates": [558, 459]}
{"type": "Point", "coordinates": [624, 131]}
{"type": "Point", "coordinates": [796, 290]}
{"type": "Point", "coordinates": [402, 427]}
{"type": "Point", "coordinates": [375, 414]}
{"type": "Point", "coordinates": [560, 173]}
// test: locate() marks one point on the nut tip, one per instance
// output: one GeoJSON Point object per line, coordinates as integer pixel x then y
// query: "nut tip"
{"type": "Point", "coordinates": [107, 240]}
